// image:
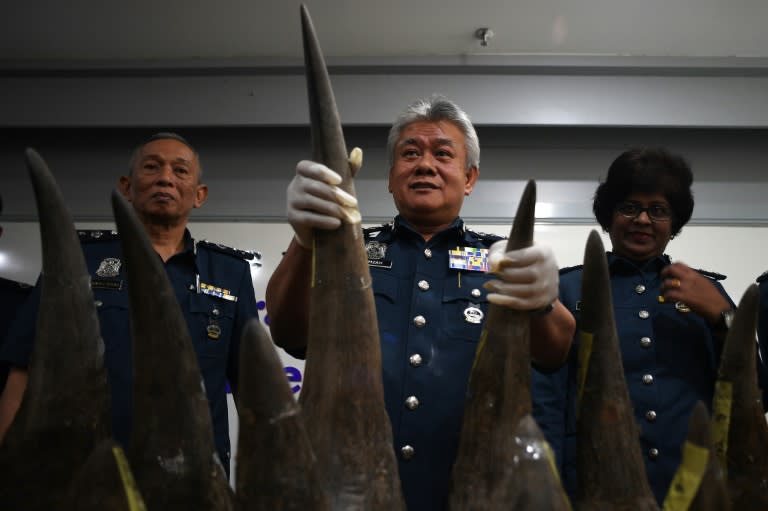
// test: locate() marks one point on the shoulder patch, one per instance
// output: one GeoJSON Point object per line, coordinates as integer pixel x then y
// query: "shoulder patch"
{"type": "Point", "coordinates": [86, 235]}
{"type": "Point", "coordinates": [236, 252]}
{"type": "Point", "coordinates": [712, 275]}
{"type": "Point", "coordinates": [569, 269]}
{"type": "Point", "coordinates": [484, 236]}
{"type": "Point", "coordinates": [372, 232]}
{"type": "Point", "coordinates": [763, 278]}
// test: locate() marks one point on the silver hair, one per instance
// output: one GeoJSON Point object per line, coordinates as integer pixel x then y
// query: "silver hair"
{"type": "Point", "coordinates": [165, 135]}
{"type": "Point", "coordinates": [433, 109]}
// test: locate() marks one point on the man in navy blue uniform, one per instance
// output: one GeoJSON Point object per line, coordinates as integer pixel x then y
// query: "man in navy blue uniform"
{"type": "Point", "coordinates": [212, 284]}
{"type": "Point", "coordinates": [431, 292]}
{"type": "Point", "coordinates": [12, 295]}
{"type": "Point", "coordinates": [671, 319]}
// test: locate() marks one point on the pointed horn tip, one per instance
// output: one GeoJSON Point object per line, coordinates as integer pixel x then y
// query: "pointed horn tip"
{"type": "Point", "coordinates": [530, 185]}
{"type": "Point", "coordinates": [34, 159]}
{"type": "Point", "coordinates": [700, 412]}
{"type": "Point", "coordinates": [528, 426]}
{"type": "Point", "coordinates": [750, 295]}
{"type": "Point", "coordinates": [254, 330]}
{"type": "Point", "coordinates": [29, 152]}
{"type": "Point", "coordinates": [699, 425]}
{"type": "Point", "coordinates": [529, 194]}
{"type": "Point", "coordinates": [595, 242]}
{"type": "Point", "coordinates": [306, 19]}
{"type": "Point", "coordinates": [119, 207]}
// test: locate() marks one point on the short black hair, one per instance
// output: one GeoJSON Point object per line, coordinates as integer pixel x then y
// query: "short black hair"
{"type": "Point", "coordinates": [164, 135]}
{"type": "Point", "coordinates": [646, 170]}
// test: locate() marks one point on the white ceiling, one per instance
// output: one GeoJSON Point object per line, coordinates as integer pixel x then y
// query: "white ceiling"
{"type": "Point", "coordinates": [145, 30]}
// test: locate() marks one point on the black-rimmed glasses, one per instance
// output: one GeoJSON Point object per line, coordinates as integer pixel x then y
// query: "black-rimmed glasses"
{"type": "Point", "coordinates": [656, 212]}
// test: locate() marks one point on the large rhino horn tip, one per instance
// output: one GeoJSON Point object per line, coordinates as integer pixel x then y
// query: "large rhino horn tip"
{"type": "Point", "coordinates": [595, 243]}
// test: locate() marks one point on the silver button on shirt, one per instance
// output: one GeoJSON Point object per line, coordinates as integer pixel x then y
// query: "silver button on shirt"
{"type": "Point", "coordinates": [645, 342]}
{"type": "Point", "coordinates": [412, 402]}
{"type": "Point", "coordinates": [423, 285]}
{"type": "Point", "coordinates": [415, 360]}
{"type": "Point", "coordinates": [653, 453]}
{"type": "Point", "coordinates": [419, 321]}
{"type": "Point", "coordinates": [476, 293]}
{"type": "Point", "coordinates": [407, 452]}
{"type": "Point", "coordinates": [650, 415]}
{"type": "Point", "coordinates": [639, 289]}
{"type": "Point", "coordinates": [644, 314]}
{"type": "Point", "coordinates": [647, 379]}
{"type": "Point", "coordinates": [427, 253]}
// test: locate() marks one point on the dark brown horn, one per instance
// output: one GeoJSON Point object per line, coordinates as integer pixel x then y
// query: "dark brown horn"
{"type": "Point", "coordinates": [533, 480]}
{"type": "Point", "coordinates": [343, 395]}
{"type": "Point", "coordinates": [498, 394]}
{"type": "Point", "coordinates": [276, 467]}
{"type": "Point", "coordinates": [738, 425]}
{"type": "Point", "coordinates": [106, 482]}
{"type": "Point", "coordinates": [65, 411]}
{"type": "Point", "coordinates": [699, 483]}
{"type": "Point", "coordinates": [610, 467]}
{"type": "Point", "coordinates": [171, 452]}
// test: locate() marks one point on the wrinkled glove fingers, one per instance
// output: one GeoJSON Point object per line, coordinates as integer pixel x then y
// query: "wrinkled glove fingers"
{"type": "Point", "coordinates": [317, 172]}
{"type": "Point", "coordinates": [309, 219]}
{"type": "Point", "coordinates": [517, 258]}
{"type": "Point", "coordinates": [518, 290]}
{"type": "Point", "coordinates": [524, 275]}
{"type": "Point", "coordinates": [316, 204]}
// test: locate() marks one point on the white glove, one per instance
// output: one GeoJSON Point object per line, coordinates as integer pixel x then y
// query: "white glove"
{"type": "Point", "coordinates": [528, 278]}
{"type": "Point", "coordinates": [314, 200]}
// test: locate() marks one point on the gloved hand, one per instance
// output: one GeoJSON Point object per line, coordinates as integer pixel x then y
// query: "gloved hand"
{"type": "Point", "coordinates": [528, 278]}
{"type": "Point", "coordinates": [314, 200]}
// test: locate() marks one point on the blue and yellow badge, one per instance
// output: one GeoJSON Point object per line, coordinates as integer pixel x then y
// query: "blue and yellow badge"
{"type": "Point", "coordinates": [468, 258]}
{"type": "Point", "coordinates": [211, 290]}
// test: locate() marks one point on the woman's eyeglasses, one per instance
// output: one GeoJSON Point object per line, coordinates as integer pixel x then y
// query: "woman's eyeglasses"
{"type": "Point", "coordinates": [656, 212]}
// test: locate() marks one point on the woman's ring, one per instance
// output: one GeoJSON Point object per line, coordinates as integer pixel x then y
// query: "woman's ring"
{"type": "Point", "coordinates": [675, 283]}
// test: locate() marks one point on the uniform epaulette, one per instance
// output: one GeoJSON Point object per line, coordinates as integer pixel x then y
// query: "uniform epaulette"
{"type": "Point", "coordinates": [569, 269]}
{"type": "Point", "coordinates": [711, 274]}
{"type": "Point", "coordinates": [372, 232]}
{"type": "Point", "coordinates": [236, 252]}
{"type": "Point", "coordinates": [487, 237]}
{"type": "Point", "coordinates": [97, 235]}
{"type": "Point", "coordinates": [762, 278]}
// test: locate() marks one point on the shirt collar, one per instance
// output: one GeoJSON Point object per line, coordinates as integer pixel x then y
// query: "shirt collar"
{"type": "Point", "coordinates": [456, 229]}
{"type": "Point", "coordinates": [620, 264]}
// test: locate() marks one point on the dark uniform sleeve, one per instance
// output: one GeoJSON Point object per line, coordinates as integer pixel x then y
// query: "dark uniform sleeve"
{"type": "Point", "coordinates": [17, 348]}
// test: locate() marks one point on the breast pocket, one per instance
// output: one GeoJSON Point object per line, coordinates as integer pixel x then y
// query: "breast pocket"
{"type": "Point", "coordinates": [385, 293]}
{"type": "Point", "coordinates": [465, 307]}
{"type": "Point", "coordinates": [115, 325]}
{"type": "Point", "coordinates": [210, 325]}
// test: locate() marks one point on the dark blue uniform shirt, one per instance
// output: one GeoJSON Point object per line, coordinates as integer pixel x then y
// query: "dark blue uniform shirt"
{"type": "Point", "coordinates": [12, 296]}
{"type": "Point", "coordinates": [762, 332]}
{"type": "Point", "coordinates": [670, 357]}
{"type": "Point", "coordinates": [430, 318]}
{"type": "Point", "coordinates": [201, 262]}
